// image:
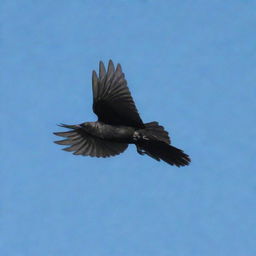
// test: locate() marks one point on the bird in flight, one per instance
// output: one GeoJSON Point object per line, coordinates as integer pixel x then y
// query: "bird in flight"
{"type": "Point", "coordinates": [119, 124]}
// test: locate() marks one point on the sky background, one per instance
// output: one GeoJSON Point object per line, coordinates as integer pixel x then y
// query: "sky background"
{"type": "Point", "coordinates": [191, 65]}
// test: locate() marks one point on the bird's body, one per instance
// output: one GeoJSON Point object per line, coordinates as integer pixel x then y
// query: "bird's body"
{"type": "Point", "coordinates": [119, 124]}
{"type": "Point", "coordinates": [117, 133]}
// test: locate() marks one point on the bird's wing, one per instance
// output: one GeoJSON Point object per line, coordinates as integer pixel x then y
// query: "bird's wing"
{"type": "Point", "coordinates": [112, 100]}
{"type": "Point", "coordinates": [85, 144]}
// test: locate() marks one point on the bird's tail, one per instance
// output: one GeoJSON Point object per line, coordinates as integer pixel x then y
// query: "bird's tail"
{"type": "Point", "coordinates": [155, 143]}
{"type": "Point", "coordinates": [155, 131]}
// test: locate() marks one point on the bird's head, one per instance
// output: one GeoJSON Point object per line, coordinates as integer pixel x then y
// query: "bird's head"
{"type": "Point", "coordinates": [88, 126]}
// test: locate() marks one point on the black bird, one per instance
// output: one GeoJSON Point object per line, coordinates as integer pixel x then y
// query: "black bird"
{"type": "Point", "coordinates": [118, 125]}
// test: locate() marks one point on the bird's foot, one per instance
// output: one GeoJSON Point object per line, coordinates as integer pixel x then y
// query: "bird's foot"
{"type": "Point", "coordinates": [140, 151]}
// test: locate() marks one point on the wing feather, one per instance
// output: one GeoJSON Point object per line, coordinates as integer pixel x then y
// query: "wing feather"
{"type": "Point", "coordinates": [82, 143]}
{"type": "Point", "coordinates": [102, 71]}
{"type": "Point", "coordinates": [112, 100]}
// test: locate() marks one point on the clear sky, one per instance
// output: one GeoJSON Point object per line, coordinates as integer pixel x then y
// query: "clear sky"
{"type": "Point", "coordinates": [191, 65]}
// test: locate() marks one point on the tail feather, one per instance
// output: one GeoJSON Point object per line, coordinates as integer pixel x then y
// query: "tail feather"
{"type": "Point", "coordinates": [160, 150]}
{"type": "Point", "coordinates": [155, 131]}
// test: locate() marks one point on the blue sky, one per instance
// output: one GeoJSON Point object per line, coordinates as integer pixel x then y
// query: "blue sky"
{"type": "Point", "coordinates": [191, 66]}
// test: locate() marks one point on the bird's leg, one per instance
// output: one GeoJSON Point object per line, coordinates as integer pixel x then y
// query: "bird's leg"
{"type": "Point", "coordinates": [136, 136]}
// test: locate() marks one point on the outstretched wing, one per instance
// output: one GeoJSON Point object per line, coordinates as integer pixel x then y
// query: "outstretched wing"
{"type": "Point", "coordinates": [84, 144]}
{"type": "Point", "coordinates": [112, 100]}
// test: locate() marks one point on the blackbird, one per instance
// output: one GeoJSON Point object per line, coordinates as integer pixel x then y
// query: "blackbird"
{"type": "Point", "coordinates": [119, 124]}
